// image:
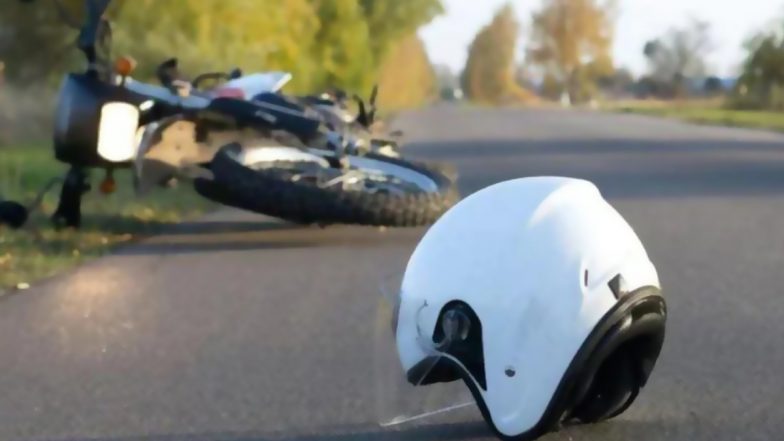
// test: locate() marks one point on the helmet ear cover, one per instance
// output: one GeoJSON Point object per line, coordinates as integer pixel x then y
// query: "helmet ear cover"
{"type": "Point", "coordinates": [458, 333]}
{"type": "Point", "coordinates": [602, 380]}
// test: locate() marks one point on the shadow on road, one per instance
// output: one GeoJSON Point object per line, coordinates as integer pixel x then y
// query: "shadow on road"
{"type": "Point", "coordinates": [622, 168]}
{"type": "Point", "coordinates": [120, 223]}
{"type": "Point", "coordinates": [457, 432]}
{"type": "Point", "coordinates": [167, 247]}
{"type": "Point", "coordinates": [218, 227]}
{"type": "Point", "coordinates": [206, 237]}
{"type": "Point", "coordinates": [637, 430]}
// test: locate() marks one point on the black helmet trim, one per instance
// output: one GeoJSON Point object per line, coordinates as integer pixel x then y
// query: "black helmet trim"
{"type": "Point", "coordinates": [630, 317]}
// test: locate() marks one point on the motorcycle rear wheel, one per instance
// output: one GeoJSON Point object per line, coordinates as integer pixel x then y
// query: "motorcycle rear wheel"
{"type": "Point", "coordinates": [418, 194]}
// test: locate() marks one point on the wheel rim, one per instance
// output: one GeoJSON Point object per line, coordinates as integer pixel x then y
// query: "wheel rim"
{"type": "Point", "coordinates": [362, 174]}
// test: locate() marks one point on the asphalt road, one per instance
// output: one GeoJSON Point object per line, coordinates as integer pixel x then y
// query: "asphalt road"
{"type": "Point", "coordinates": [241, 328]}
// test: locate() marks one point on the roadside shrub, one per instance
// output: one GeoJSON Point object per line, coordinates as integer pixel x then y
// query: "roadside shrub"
{"type": "Point", "coordinates": [25, 114]}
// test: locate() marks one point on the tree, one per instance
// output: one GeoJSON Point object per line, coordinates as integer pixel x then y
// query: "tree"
{"type": "Point", "coordinates": [619, 83]}
{"type": "Point", "coordinates": [342, 45]}
{"type": "Point", "coordinates": [571, 41]}
{"type": "Point", "coordinates": [552, 88]}
{"type": "Point", "coordinates": [324, 43]}
{"type": "Point", "coordinates": [36, 39]}
{"type": "Point", "coordinates": [406, 77]}
{"type": "Point", "coordinates": [210, 35]}
{"type": "Point", "coordinates": [713, 86]}
{"type": "Point", "coordinates": [761, 84]}
{"type": "Point", "coordinates": [489, 75]}
{"type": "Point", "coordinates": [390, 21]}
{"type": "Point", "coordinates": [679, 56]}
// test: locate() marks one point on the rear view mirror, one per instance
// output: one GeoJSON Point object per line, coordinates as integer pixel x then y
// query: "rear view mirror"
{"type": "Point", "coordinates": [92, 29]}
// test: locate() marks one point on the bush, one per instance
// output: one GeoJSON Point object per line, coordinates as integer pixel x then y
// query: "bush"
{"type": "Point", "coordinates": [25, 114]}
{"type": "Point", "coordinates": [768, 98]}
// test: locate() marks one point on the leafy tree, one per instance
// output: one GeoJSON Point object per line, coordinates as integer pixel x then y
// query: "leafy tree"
{"type": "Point", "coordinates": [489, 75]}
{"type": "Point", "coordinates": [406, 77]}
{"type": "Point", "coordinates": [713, 86]}
{"type": "Point", "coordinates": [196, 32]}
{"type": "Point", "coordinates": [323, 42]}
{"type": "Point", "coordinates": [571, 41]}
{"type": "Point", "coordinates": [36, 39]}
{"type": "Point", "coordinates": [552, 88]}
{"type": "Point", "coordinates": [342, 48]}
{"type": "Point", "coordinates": [679, 56]}
{"type": "Point", "coordinates": [389, 21]}
{"type": "Point", "coordinates": [761, 85]}
{"type": "Point", "coordinates": [619, 83]}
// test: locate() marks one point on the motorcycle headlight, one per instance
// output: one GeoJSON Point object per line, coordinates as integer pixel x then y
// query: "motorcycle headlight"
{"type": "Point", "coordinates": [117, 132]}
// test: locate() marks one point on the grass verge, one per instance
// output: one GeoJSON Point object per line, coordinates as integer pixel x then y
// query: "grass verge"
{"type": "Point", "coordinates": [38, 250]}
{"type": "Point", "coordinates": [704, 112]}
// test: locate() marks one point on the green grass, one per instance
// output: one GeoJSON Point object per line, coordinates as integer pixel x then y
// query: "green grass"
{"type": "Point", "coordinates": [38, 250]}
{"type": "Point", "coordinates": [706, 112]}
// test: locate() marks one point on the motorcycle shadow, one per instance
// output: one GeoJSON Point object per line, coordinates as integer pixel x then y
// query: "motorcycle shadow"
{"type": "Point", "coordinates": [122, 224]}
{"type": "Point", "coordinates": [437, 432]}
{"type": "Point", "coordinates": [237, 236]}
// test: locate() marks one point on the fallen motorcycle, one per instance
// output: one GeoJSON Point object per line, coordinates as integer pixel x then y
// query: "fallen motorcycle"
{"type": "Point", "coordinates": [330, 107]}
{"type": "Point", "coordinates": [242, 142]}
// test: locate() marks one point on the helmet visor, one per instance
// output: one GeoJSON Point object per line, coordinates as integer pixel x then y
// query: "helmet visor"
{"type": "Point", "coordinates": [406, 397]}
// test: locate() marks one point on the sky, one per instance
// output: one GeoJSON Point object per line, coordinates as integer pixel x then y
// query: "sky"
{"type": "Point", "coordinates": [732, 22]}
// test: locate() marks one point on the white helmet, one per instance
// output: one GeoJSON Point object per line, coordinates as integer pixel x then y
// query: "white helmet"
{"type": "Point", "coordinates": [540, 296]}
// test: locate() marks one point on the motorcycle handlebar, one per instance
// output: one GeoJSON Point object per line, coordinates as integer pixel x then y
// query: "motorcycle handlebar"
{"type": "Point", "coordinates": [210, 76]}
